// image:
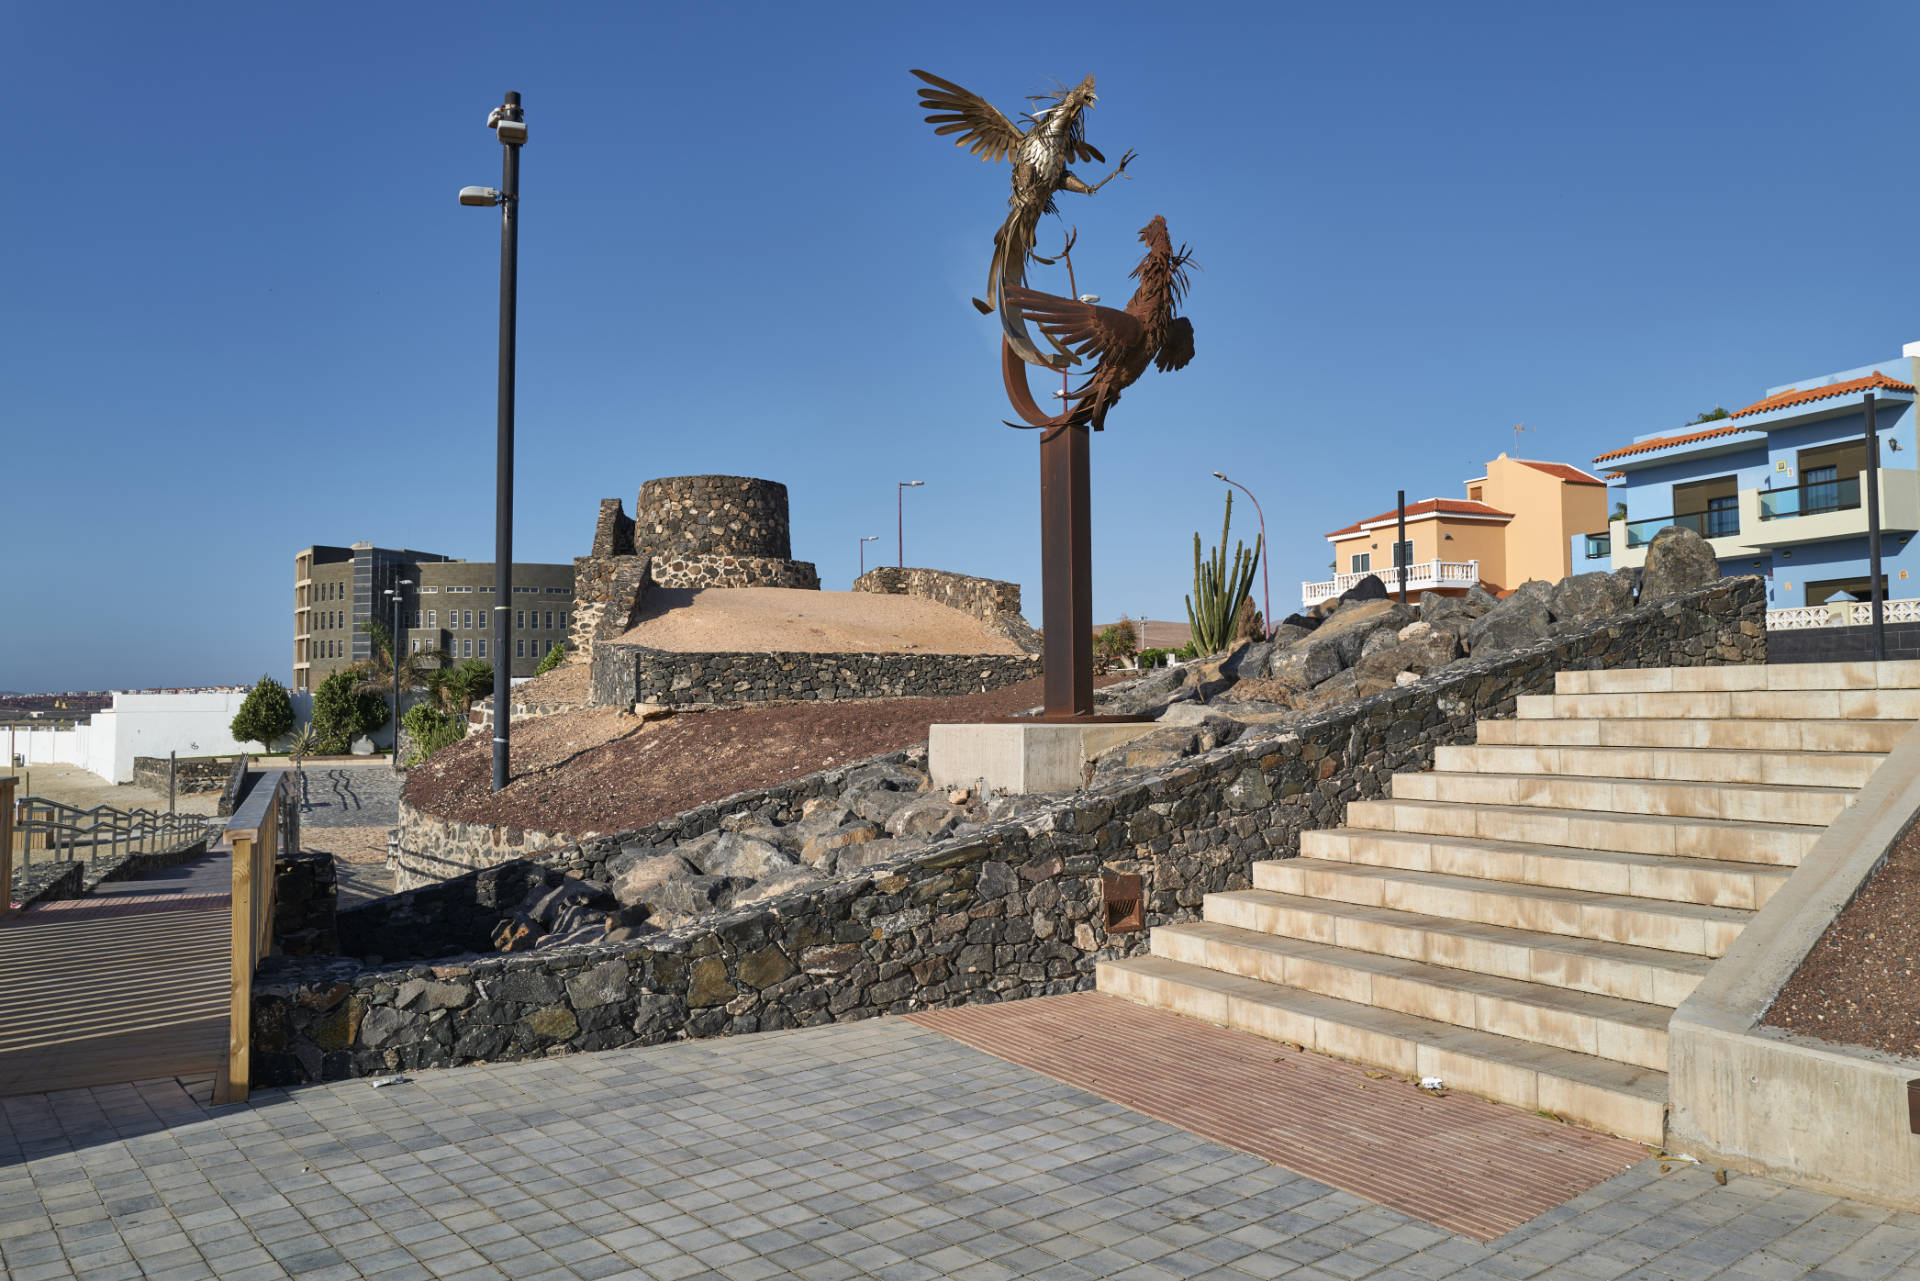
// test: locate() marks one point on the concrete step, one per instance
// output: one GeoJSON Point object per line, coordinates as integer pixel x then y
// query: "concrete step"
{"type": "Point", "coordinates": [1786, 704]}
{"type": "Point", "coordinates": [1643, 974]}
{"type": "Point", "coordinates": [1617, 1097]}
{"type": "Point", "coordinates": [1762, 735]}
{"type": "Point", "coordinates": [1616, 918]}
{"type": "Point", "coordinates": [1889, 675]}
{"type": "Point", "coordinates": [1741, 802]}
{"type": "Point", "coordinates": [1806, 769]}
{"type": "Point", "coordinates": [1604, 1026]}
{"type": "Point", "coordinates": [1683, 880]}
{"type": "Point", "coordinates": [1779, 844]}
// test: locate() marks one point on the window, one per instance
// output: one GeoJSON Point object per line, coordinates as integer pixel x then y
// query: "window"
{"type": "Point", "coordinates": [469, 622]}
{"type": "Point", "coordinates": [432, 621]}
{"type": "Point", "coordinates": [1474, 493]}
{"type": "Point", "coordinates": [520, 618]}
{"type": "Point", "coordinates": [1360, 563]}
{"type": "Point", "coordinates": [1403, 553]}
{"type": "Point", "coordinates": [563, 621]}
{"type": "Point", "coordinates": [483, 647]}
{"type": "Point", "coordinates": [556, 591]}
{"type": "Point", "coordinates": [469, 653]}
{"type": "Point", "coordinates": [1723, 516]}
{"type": "Point", "coordinates": [429, 591]}
{"type": "Point", "coordinates": [416, 647]}
{"type": "Point", "coordinates": [519, 648]}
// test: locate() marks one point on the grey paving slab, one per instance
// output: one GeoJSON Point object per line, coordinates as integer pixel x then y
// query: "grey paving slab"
{"type": "Point", "coordinates": [874, 1149]}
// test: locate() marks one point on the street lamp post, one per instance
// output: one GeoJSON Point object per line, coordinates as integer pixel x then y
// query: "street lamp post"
{"type": "Point", "coordinates": [393, 646]}
{"type": "Point", "coordinates": [870, 538]}
{"type": "Point", "coordinates": [1266, 602]}
{"type": "Point", "coordinates": [508, 122]}
{"type": "Point", "coordinates": [900, 515]}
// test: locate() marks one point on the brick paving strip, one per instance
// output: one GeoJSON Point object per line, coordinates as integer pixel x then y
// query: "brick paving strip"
{"type": "Point", "coordinates": [1476, 1168]}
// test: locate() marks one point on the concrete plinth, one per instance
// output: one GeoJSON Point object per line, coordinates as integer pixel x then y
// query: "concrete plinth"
{"type": "Point", "coordinates": [1040, 757]}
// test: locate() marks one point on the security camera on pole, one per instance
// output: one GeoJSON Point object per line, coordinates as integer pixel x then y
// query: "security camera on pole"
{"type": "Point", "coordinates": [510, 125]}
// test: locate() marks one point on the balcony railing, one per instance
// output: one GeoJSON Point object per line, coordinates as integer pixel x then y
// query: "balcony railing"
{"type": "Point", "coordinates": [1722, 522]}
{"type": "Point", "coordinates": [1421, 576]}
{"type": "Point", "coordinates": [1599, 545]}
{"type": "Point", "coordinates": [1850, 613]}
{"type": "Point", "coordinates": [1811, 499]}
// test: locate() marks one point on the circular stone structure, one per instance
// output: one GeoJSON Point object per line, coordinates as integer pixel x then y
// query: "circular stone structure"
{"type": "Point", "coordinates": [712, 516]}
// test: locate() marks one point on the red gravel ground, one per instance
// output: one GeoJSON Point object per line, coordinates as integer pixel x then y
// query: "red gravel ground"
{"type": "Point", "coordinates": [601, 771]}
{"type": "Point", "coordinates": [1861, 983]}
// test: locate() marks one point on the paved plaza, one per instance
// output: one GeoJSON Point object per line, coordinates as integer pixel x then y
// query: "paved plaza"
{"type": "Point", "coordinates": [874, 1149]}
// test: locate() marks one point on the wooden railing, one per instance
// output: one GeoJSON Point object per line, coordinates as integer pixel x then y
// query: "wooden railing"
{"type": "Point", "coordinates": [6, 844]}
{"type": "Point", "coordinates": [266, 823]}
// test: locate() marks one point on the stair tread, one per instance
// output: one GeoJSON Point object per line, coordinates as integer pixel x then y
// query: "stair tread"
{"type": "Point", "coordinates": [1667, 751]}
{"type": "Point", "coordinates": [1674, 862]}
{"type": "Point", "coordinates": [1637, 1082]}
{"type": "Point", "coordinates": [1596, 949]}
{"type": "Point", "coordinates": [1551, 893]}
{"type": "Point", "coordinates": [1570, 1000]}
{"type": "Point", "coordinates": [1828, 788]}
{"type": "Point", "coordinates": [1608, 816]}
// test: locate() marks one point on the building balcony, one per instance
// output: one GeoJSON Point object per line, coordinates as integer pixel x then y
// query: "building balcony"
{"type": "Point", "coordinates": [1850, 613]}
{"type": "Point", "coordinates": [1422, 576]}
{"type": "Point", "coordinates": [1827, 510]}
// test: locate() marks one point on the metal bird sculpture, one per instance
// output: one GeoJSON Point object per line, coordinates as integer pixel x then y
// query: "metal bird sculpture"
{"type": "Point", "coordinates": [1120, 342]}
{"type": "Point", "coordinates": [1055, 136]}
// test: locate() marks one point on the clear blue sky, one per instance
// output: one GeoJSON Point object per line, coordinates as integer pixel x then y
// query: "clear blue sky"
{"type": "Point", "coordinates": [242, 312]}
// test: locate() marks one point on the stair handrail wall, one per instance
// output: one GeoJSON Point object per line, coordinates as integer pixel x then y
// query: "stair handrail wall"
{"type": "Point", "coordinates": [266, 826]}
{"type": "Point", "coordinates": [1756, 1098]}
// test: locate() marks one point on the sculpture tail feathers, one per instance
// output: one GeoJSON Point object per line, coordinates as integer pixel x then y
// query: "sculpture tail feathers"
{"type": "Point", "coordinates": [1009, 270]}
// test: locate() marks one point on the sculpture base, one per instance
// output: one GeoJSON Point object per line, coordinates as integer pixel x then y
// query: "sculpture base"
{"type": "Point", "coordinates": [1025, 756]}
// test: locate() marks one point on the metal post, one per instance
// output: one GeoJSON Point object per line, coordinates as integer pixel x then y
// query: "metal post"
{"type": "Point", "coordinates": [900, 521]}
{"type": "Point", "coordinates": [1066, 573]}
{"type": "Point", "coordinates": [1873, 534]}
{"type": "Point", "coordinates": [503, 462]}
{"type": "Point", "coordinates": [1398, 544]}
{"type": "Point", "coordinates": [1266, 601]}
{"type": "Point", "coordinates": [172, 764]}
{"type": "Point", "coordinates": [393, 642]}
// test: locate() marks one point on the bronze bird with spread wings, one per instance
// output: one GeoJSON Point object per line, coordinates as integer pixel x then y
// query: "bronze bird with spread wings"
{"type": "Point", "coordinates": [1120, 342]}
{"type": "Point", "coordinates": [1040, 153]}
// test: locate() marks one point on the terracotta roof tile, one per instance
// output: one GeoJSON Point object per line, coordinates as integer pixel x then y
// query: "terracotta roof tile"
{"type": "Point", "coordinates": [1876, 381]}
{"type": "Point", "coordinates": [1662, 442]}
{"type": "Point", "coordinates": [1572, 475]}
{"type": "Point", "coordinates": [1429, 507]}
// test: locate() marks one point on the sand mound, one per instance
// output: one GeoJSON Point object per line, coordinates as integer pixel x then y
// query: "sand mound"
{"type": "Point", "coordinates": [764, 619]}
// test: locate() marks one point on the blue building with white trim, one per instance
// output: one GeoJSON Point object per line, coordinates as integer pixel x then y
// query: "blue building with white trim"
{"type": "Point", "coordinates": [1776, 488]}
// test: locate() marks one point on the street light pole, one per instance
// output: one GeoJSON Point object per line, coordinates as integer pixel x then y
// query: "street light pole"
{"type": "Point", "coordinates": [900, 515]}
{"type": "Point", "coordinates": [1266, 602]}
{"type": "Point", "coordinates": [870, 538]}
{"type": "Point", "coordinates": [509, 123]}
{"type": "Point", "coordinates": [393, 646]}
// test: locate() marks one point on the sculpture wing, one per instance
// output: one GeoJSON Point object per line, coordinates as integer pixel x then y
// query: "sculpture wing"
{"type": "Point", "coordinates": [1080, 327]}
{"type": "Point", "coordinates": [1080, 151]}
{"type": "Point", "coordinates": [1177, 350]}
{"type": "Point", "coordinates": [981, 127]}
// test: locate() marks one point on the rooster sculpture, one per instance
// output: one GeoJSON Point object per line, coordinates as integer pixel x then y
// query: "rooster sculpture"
{"type": "Point", "coordinates": [1040, 153]}
{"type": "Point", "coordinates": [1120, 342]}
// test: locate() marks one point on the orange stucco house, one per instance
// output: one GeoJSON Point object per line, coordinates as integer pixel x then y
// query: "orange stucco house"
{"type": "Point", "coordinates": [1517, 522]}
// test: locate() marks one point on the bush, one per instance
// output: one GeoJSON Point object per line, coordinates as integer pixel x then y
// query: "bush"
{"type": "Point", "coordinates": [340, 714]}
{"type": "Point", "coordinates": [1152, 657]}
{"type": "Point", "coordinates": [265, 714]}
{"type": "Point", "coordinates": [555, 656]}
{"type": "Point", "coordinates": [430, 729]}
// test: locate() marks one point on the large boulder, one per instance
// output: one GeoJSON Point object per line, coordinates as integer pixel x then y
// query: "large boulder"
{"type": "Point", "coordinates": [1368, 588]}
{"type": "Point", "coordinates": [1290, 633]}
{"type": "Point", "coordinates": [1304, 665]}
{"type": "Point", "coordinates": [930, 815]}
{"type": "Point", "coordinates": [1208, 676]}
{"type": "Point", "coordinates": [1148, 695]}
{"type": "Point", "coordinates": [1305, 622]}
{"type": "Point", "coordinates": [1584, 598]}
{"type": "Point", "coordinates": [739, 856]}
{"type": "Point", "coordinates": [1422, 655]}
{"type": "Point", "coordinates": [1457, 612]}
{"type": "Point", "coordinates": [1344, 688]}
{"type": "Point", "coordinates": [1516, 621]}
{"type": "Point", "coordinates": [1678, 560]}
{"type": "Point", "coordinates": [1534, 589]}
{"type": "Point", "coordinates": [1249, 661]}
{"type": "Point", "coordinates": [641, 875]}
{"type": "Point", "coordinates": [1347, 631]}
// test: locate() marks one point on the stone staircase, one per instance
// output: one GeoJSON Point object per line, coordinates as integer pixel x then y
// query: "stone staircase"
{"type": "Point", "coordinates": [1522, 920]}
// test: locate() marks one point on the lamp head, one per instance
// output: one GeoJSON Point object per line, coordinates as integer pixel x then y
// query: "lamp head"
{"type": "Point", "coordinates": [481, 196]}
{"type": "Point", "coordinates": [1219, 475]}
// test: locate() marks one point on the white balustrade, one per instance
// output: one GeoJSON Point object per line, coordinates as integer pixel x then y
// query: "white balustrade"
{"type": "Point", "coordinates": [1421, 576]}
{"type": "Point", "coordinates": [1846, 613]}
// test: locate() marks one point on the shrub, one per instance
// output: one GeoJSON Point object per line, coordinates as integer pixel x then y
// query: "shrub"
{"type": "Point", "coordinates": [341, 714]}
{"type": "Point", "coordinates": [265, 714]}
{"type": "Point", "coordinates": [430, 729]}
{"type": "Point", "coordinates": [555, 656]}
{"type": "Point", "coordinates": [1153, 657]}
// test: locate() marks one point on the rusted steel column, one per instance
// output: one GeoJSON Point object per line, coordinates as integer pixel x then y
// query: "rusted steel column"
{"type": "Point", "coordinates": [1066, 569]}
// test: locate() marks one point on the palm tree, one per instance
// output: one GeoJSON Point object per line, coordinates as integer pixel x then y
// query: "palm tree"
{"type": "Point", "coordinates": [374, 675]}
{"type": "Point", "coordinates": [457, 687]}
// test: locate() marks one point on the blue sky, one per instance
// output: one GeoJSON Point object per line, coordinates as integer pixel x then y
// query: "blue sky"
{"type": "Point", "coordinates": [242, 312]}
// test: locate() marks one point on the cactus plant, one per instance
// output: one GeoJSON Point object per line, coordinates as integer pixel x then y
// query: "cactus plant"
{"type": "Point", "coordinates": [1219, 589]}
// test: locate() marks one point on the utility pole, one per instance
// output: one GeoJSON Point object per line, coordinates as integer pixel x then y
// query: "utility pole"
{"type": "Point", "coordinates": [1400, 542]}
{"type": "Point", "coordinates": [1873, 534]}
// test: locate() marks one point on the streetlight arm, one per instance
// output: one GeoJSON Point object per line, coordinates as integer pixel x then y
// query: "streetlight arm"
{"type": "Point", "coordinates": [1266, 599]}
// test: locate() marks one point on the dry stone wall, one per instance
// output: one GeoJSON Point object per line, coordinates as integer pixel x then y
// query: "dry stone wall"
{"type": "Point", "coordinates": [190, 777]}
{"type": "Point", "coordinates": [706, 515]}
{"type": "Point", "coordinates": [627, 674]}
{"type": "Point", "coordinates": [995, 603]}
{"type": "Point", "coordinates": [1011, 910]}
{"type": "Point", "coordinates": [724, 569]}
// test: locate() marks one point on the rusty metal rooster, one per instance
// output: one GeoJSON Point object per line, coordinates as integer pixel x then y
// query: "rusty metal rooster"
{"type": "Point", "coordinates": [1055, 136]}
{"type": "Point", "coordinates": [1120, 342]}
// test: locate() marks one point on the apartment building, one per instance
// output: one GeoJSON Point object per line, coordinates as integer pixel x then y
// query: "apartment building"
{"type": "Point", "coordinates": [447, 605]}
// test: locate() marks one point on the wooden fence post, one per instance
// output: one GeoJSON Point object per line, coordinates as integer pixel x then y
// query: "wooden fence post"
{"type": "Point", "coordinates": [6, 845]}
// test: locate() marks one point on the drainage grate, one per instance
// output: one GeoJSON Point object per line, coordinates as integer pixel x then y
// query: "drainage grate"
{"type": "Point", "coordinates": [1122, 897]}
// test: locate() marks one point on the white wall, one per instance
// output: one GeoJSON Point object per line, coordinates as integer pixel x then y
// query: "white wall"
{"type": "Point", "coordinates": [192, 724]}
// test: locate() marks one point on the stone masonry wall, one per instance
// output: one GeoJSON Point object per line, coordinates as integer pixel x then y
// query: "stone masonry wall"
{"type": "Point", "coordinates": [704, 515]}
{"type": "Point", "coordinates": [724, 569]}
{"type": "Point", "coordinates": [190, 777]}
{"type": "Point", "coordinates": [993, 602]}
{"type": "Point", "coordinates": [627, 674]}
{"type": "Point", "coordinates": [1013, 910]}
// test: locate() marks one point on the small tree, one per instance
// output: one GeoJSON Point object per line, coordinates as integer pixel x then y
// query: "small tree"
{"type": "Point", "coordinates": [1713, 416]}
{"type": "Point", "coordinates": [342, 712]}
{"type": "Point", "coordinates": [265, 714]}
{"type": "Point", "coordinates": [430, 729]}
{"type": "Point", "coordinates": [555, 656]}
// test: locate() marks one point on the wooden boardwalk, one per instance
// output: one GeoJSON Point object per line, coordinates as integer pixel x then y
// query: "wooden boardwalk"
{"type": "Point", "coordinates": [127, 984]}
